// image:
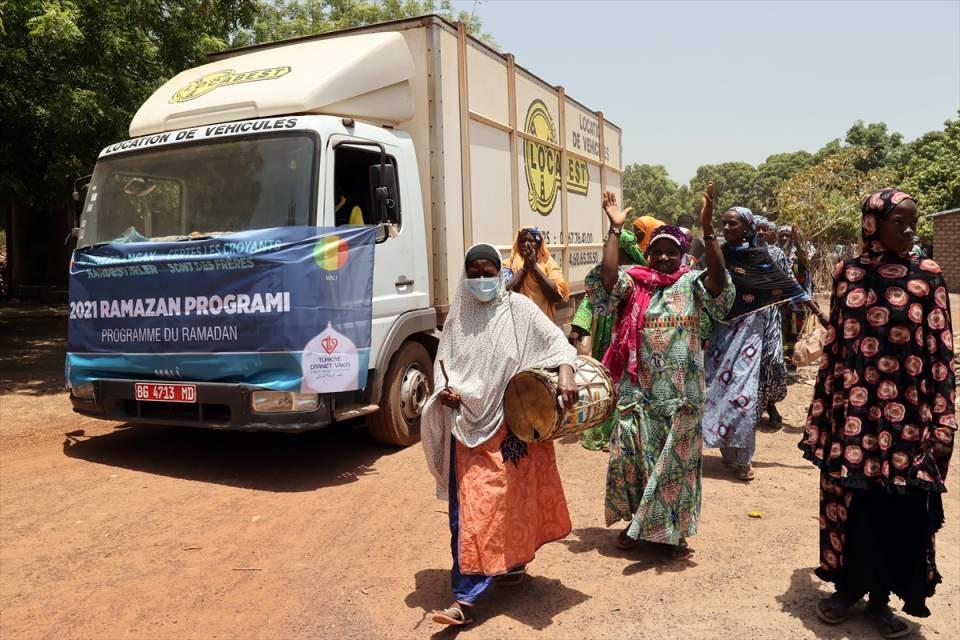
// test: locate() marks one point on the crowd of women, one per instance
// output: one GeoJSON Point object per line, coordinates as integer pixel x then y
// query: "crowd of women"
{"type": "Point", "coordinates": [698, 337]}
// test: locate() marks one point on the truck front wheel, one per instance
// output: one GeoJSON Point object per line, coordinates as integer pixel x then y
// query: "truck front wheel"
{"type": "Point", "coordinates": [406, 387]}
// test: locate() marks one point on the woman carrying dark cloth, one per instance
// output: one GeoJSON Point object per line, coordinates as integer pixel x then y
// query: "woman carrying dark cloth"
{"type": "Point", "coordinates": [734, 359]}
{"type": "Point", "coordinates": [506, 500]}
{"type": "Point", "coordinates": [882, 422]}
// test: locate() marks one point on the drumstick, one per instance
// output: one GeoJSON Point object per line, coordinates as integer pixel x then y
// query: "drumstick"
{"type": "Point", "coordinates": [446, 378]}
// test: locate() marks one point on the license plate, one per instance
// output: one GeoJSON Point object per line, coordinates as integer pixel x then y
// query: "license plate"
{"type": "Point", "coordinates": [158, 392]}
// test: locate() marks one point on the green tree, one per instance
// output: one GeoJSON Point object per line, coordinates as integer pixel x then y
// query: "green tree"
{"type": "Point", "coordinates": [772, 172]}
{"type": "Point", "coordinates": [733, 186]}
{"type": "Point", "coordinates": [650, 191]}
{"type": "Point", "coordinates": [291, 18]}
{"type": "Point", "coordinates": [882, 147]}
{"type": "Point", "coordinates": [932, 172]}
{"type": "Point", "coordinates": [74, 73]}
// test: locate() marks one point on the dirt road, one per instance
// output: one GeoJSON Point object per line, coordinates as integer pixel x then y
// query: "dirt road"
{"type": "Point", "coordinates": [112, 531]}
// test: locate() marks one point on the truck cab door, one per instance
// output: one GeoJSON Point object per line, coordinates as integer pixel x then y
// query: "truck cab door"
{"type": "Point", "coordinates": [400, 281]}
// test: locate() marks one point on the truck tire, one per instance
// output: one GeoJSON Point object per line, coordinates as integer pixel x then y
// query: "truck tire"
{"type": "Point", "coordinates": [406, 386]}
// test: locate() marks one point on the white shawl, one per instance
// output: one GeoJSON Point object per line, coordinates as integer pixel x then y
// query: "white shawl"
{"type": "Point", "coordinates": [483, 345]}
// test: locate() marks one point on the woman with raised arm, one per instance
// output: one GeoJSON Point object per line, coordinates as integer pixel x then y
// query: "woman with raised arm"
{"type": "Point", "coordinates": [738, 354]}
{"type": "Point", "coordinates": [505, 496]}
{"type": "Point", "coordinates": [665, 311]}
{"type": "Point", "coordinates": [882, 421]}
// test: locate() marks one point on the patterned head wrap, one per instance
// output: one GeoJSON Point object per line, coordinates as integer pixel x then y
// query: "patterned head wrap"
{"type": "Point", "coordinates": [784, 227]}
{"type": "Point", "coordinates": [671, 233]}
{"type": "Point", "coordinates": [750, 235]}
{"type": "Point", "coordinates": [875, 208]}
{"type": "Point", "coordinates": [645, 225]}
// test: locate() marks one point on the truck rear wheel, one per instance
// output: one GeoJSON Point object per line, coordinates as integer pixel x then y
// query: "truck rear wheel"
{"type": "Point", "coordinates": [406, 387]}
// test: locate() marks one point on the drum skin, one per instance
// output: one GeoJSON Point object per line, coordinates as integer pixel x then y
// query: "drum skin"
{"type": "Point", "coordinates": [533, 410]}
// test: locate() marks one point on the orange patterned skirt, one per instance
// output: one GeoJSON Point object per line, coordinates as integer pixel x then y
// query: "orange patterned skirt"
{"type": "Point", "coordinates": [511, 503]}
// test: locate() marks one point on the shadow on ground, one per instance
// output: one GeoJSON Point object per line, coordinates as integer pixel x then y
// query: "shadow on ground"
{"type": "Point", "coordinates": [644, 557]}
{"type": "Point", "coordinates": [714, 468]}
{"type": "Point", "coordinates": [34, 349]}
{"type": "Point", "coordinates": [261, 461]}
{"type": "Point", "coordinates": [800, 601]}
{"type": "Point", "coordinates": [533, 603]}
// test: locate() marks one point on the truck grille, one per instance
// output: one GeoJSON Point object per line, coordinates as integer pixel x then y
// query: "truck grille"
{"type": "Point", "coordinates": [201, 412]}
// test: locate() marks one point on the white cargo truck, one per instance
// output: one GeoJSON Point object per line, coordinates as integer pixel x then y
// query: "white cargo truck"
{"type": "Point", "coordinates": [471, 147]}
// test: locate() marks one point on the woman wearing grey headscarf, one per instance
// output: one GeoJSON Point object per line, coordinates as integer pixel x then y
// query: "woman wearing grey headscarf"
{"type": "Point", "coordinates": [505, 496]}
{"type": "Point", "coordinates": [744, 366]}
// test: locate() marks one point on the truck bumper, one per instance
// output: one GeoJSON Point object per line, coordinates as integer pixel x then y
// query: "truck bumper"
{"type": "Point", "coordinates": [218, 406]}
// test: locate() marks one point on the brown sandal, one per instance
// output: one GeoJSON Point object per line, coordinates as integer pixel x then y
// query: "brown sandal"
{"type": "Point", "coordinates": [745, 473]}
{"type": "Point", "coordinates": [453, 616]}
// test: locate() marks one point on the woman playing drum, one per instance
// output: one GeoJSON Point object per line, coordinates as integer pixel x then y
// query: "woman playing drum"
{"type": "Point", "coordinates": [665, 311]}
{"type": "Point", "coordinates": [505, 496]}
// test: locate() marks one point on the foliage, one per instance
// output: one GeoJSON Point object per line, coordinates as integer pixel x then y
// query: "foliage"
{"type": "Point", "coordinates": [650, 191]}
{"type": "Point", "coordinates": [882, 148]}
{"type": "Point", "coordinates": [732, 183]}
{"type": "Point", "coordinates": [932, 172]}
{"type": "Point", "coordinates": [771, 174]}
{"type": "Point", "coordinates": [824, 199]}
{"type": "Point", "coordinates": [291, 18]}
{"type": "Point", "coordinates": [75, 71]}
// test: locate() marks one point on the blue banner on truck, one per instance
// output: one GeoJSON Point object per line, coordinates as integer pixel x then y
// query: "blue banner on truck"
{"type": "Point", "coordinates": [287, 309]}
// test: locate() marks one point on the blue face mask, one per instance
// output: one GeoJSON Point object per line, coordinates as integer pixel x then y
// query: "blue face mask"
{"type": "Point", "coordinates": [483, 289]}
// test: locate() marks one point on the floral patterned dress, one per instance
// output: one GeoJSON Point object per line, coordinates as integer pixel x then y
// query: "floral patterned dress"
{"type": "Point", "coordinates": [654, 472]}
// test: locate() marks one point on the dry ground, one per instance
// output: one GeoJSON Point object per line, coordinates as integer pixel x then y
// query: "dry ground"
{"type": "Point", "coordinates": [114, 531]}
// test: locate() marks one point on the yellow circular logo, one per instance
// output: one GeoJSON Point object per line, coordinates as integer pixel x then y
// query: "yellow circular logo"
{"type": "Point", "coordinates": [542, 162]}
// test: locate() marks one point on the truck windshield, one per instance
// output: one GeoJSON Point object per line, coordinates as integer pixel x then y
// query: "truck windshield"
{"type": "Point", "coordinates": [202, 189]}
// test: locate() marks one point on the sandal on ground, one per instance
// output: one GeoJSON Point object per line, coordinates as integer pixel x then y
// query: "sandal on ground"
{"type": "Point", "coordinates": [887, 623]}
{"type": "Point", "coordinates": [680, 552]}
{"type": "Point", "coordinates": [513, 577]}
{"type": "Point", "coordinates": [745, 472]}
{"type": "Point", "coordinates": [833, 610]}
{"type": "Point", "coordinates": [626, 542]}
{"type": "Point", "coordinates": [453, 616]}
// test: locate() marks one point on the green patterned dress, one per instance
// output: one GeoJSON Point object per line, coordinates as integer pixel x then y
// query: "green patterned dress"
{"type": "Point", "coordinates": [653, 477]}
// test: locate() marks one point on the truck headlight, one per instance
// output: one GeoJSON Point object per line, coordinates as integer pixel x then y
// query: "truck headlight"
{"type": "Point", "coordinates": [83, 391]}
{"type": "Point", "coordinates": [283, 402]}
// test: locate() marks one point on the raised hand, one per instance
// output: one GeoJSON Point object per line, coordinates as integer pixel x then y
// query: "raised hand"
{"type": "Point", "coordinates": [706, 209]}
{"type": "Point", "coordinates": [612, 209]}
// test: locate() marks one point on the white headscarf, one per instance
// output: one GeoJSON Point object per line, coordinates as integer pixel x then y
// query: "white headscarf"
{"type": "Point", "coordinates": [483, 345]}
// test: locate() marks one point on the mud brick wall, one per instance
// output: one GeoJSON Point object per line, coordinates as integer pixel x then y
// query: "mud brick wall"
{"type": "Point", "coordinates": [946, 247]}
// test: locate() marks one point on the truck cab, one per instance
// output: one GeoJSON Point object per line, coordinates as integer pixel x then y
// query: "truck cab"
{"type": "Point", "coordinates": [281, 170]}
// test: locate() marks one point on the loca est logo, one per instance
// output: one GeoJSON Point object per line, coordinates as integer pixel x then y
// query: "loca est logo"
{"type": "Point", "coordinates": [224, 78]}
{"type": "Point", "coordinates": [542, 162]}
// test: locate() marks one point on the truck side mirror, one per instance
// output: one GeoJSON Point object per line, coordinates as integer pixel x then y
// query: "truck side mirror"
{"type": "Point", "coordinates": [385, 195]}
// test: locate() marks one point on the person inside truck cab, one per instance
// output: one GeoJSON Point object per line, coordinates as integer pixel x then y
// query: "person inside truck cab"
{"type": "Point", "coordinates": [531, 271]}
{"type": "Point", "coordinates": [347, 209]}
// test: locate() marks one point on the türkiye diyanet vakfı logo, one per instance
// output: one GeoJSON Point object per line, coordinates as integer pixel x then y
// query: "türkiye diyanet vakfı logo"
{"type": "Point", "coordinates": [330, 362]}
{"type": "Point", "coordinates": [226, 77]}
